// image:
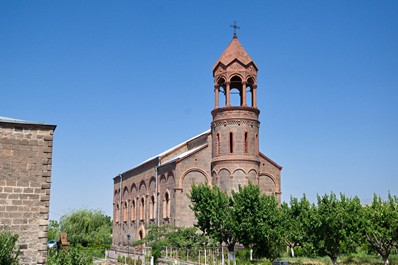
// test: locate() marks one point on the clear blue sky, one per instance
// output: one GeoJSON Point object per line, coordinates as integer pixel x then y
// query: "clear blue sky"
{"type": "Point", "coordinates": [125, 80]}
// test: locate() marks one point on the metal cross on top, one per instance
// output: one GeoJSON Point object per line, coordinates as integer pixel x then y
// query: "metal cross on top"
{"type": "Point", "coordinates": [235, 27]}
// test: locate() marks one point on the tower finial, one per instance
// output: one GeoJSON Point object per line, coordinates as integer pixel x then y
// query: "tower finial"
{"type": "Point", "coordinates": [235, 28]}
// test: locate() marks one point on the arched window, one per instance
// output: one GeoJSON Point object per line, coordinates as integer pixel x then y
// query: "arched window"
{"type": "Point", "coordinates": [125, 212]}
{"type": "Point", "coordinates": [142, 209]}
{"type": "Point", "coordinates": [249, 91]}
{"type": "Point", "coordinates": [231, 142]}
{"type": "Point", "coordinates": [218, 145]}
{"type": "Point", "coordinates": [246, 144]}
{"type": "Point", "coordinates": [236, 91]}
{"type": "Point", "coordinates": [117, 212]}
{"type": "Point", "coordinates": [152, 208]}
{"type": "Point", "coordinates": [133, 210]}
{"type": "Point", "coordinates": [221, 90]}
{"type": "Point", "coordinates": [166, 206]}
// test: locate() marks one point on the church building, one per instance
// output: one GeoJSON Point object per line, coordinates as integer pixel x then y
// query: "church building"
{"type": "Point", "coordinates": [227, 155]}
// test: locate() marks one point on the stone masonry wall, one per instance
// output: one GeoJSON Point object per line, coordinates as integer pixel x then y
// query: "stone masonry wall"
{"type": "Point", "coordinates": [25, 180]}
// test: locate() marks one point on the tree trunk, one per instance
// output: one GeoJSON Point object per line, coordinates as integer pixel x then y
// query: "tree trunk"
{"type": "Point", "coordinates": [333, 259]}
{"type": "Point", "coordinates": [386, 262]}
{"type": "Point", "coordinates": [251, 254]}
{"type": "Point", "coordinates": [292, 251]}
{"type": "Point", "coordinates": [222, 255]}
{"type": "Point", "coordinates": [231, 252]}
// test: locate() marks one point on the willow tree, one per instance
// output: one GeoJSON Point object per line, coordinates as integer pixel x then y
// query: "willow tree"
{"type": "Point", "coordinates": [87, 227]}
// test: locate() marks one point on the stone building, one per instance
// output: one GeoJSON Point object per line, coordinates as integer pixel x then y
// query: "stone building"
{"type": "Point", "coordinates": [227, 155]}
{"type": "Point", "coordinates": [25, 180]}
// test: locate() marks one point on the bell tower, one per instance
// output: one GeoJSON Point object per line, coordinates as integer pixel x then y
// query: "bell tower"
{"type": "Point", "coordinates": [235, 126]}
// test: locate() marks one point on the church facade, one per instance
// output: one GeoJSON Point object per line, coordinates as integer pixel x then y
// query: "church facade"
{"type": "Point", "coordinates": [227, 155]}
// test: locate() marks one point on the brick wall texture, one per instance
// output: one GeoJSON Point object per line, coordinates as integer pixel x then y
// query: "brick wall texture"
{"type": "Point", "coordinates": [25, 181]}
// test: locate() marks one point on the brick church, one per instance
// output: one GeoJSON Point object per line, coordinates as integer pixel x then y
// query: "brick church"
{"type": "Point", "coordinates": [227, 155]}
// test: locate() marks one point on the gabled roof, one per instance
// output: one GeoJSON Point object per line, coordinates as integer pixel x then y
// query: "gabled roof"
{"type": "Point", "coordinates": [181, 150]}
{"type": "Point", "coordinates": [183, 154]}
{"type": "Point", "coordinates": [234, 51]}
{"type": "Point", "coordinates": [270, 160]}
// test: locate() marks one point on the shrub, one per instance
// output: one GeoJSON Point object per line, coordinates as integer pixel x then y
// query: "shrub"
{"type": "Point", "coordinates": [73, 257]}
{"type": "Point", "coordinates": [9, 252]}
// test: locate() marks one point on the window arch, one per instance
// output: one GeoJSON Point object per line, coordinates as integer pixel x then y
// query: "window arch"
{"type": "Point", "coordinates": [249, 91]}
{"type": "Point", "coordinates": [236, 91]}
{"type": "Point", "coordinates": [221, 84]}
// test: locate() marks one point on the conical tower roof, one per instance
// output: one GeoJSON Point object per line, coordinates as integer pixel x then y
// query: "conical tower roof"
{"type": "Point", "coordinates": [234, 51]}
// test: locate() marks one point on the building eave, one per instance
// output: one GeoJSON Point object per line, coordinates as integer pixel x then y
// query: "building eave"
{"type": "Point", "coordinates": [21, 123]}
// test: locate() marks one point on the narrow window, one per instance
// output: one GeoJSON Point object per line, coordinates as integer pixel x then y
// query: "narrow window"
{"type": "Point", "coordinates": [166, 206]}
{"type": "Point", "coordinates": [142, 209]}
{"type": "Point", "coordinates": [231, 142]}
{"type": "Point", "coordinates": [152, 208]}
{"type": "Point", "coordinates": [246, 144]}
{"type": "Point", "coordinates": [218, 145]}
{"type": "Point", "coordinates": [117, 213]}
{"type": "Point", "coordinates": [133, 210]}
{"type": "Point", "coordinates": [125, 212]}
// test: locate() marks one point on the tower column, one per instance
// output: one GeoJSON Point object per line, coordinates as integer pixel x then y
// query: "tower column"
{"type": "Point", "coordinates": [216, 91]}
{"type": "Point", "coordinates": [227, 93]}
{"type": "Point", "coordinates": [244, 94]}
{"type": "Point", "coordinates": [254, 96]}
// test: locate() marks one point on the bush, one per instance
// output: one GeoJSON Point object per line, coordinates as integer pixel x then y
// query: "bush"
{"type": "Point", "coordinates": [9, 252]}
{"type": "Point", "coordinates": [73, 257]}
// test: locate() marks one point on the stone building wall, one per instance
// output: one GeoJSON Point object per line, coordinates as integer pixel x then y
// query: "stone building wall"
{"type": "Point", "coordinates": [25, 181]}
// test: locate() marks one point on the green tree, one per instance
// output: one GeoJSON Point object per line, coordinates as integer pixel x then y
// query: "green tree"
{"type": "Point", "coordinates": [246, 207]}
{"type": "Point", "coordinates": [270, 239]}
{"type": "Point", "coordinates": [214, 214]}
{"type": "Point", "coordinates": [9, 251]}
{"type": "Point", "coordinates": [296, 220]}
{"type": "Point", "coordinates": [87, 227]}
{"type": "Point", "coordinates": [257, 221]}
{"type": "Point", "coordinates": [381, 225]}
{"type": "Point", "coordinates": [337, 225]}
